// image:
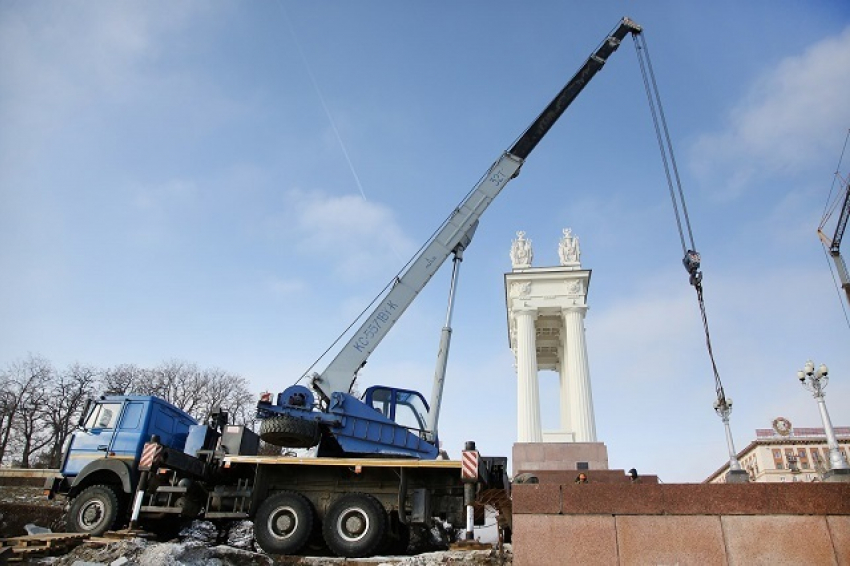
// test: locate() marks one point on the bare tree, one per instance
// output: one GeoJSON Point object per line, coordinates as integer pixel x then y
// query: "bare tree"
{"type": "Point", "coordinates": [24, 397]}
{"type": "Point", "coordinates": [186, 386]}
{"type": "Point", "coordinates": [33, 436]}
{"type": "Point", "coordinates": [68, 395]}
{"type": "Point", "coordinates": [124, 379]}
{"type": "Point", "coordinates": [170, 381]}
{"type": "Point", "coordinates": [230, 393]}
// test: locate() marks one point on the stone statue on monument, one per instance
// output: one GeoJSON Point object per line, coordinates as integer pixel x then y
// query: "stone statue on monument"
{"type": "Point", "coordinates": [568, 248]}
{"type": "Point", "coordinates": [521, 253]}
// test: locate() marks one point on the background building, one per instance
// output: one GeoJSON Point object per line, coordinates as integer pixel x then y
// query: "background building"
{"type": "Point", "coordinates": [787, 454]}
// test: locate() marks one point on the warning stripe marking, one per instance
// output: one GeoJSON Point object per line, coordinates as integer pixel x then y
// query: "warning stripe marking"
{"type": "Point", "coordinates": [149, 454]}
{"type": "Point", "coordinates": [469, 469]}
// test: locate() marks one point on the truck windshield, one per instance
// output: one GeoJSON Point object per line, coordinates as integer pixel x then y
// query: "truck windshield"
{"type": "Point", "coordinates": [103, 416]}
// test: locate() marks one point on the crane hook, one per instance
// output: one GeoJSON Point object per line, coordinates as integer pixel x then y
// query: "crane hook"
{"type": "Point", "coordinates": [691, 262]}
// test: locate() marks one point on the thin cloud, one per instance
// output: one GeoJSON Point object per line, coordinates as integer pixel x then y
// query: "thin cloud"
{"type": "Point", "coordinates": [788, 117]}
{"type": "Point", "coordinates": [284, 288]}
{"type": "Point", "coordinates": [352, 235]}
{"type": "Point", "coordinates": [63, 59]}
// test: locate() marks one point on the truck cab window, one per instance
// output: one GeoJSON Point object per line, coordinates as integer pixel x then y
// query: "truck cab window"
{"type": "Point", "coordinates": [132, 416]}
{"type": "Point", "coordinates": [103, 416]}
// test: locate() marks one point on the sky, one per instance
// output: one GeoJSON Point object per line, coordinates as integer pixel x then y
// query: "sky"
{"type": "Point", "coordinates": [231, 183]}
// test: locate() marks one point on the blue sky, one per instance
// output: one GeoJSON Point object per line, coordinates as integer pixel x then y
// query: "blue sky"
{"type": "Point", "coordinates": [230, 183]}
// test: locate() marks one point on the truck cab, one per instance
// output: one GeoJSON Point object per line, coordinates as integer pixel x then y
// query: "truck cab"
{"type": "Point", "coordinates": [117, 427]}
{"type": "Point", "coordinates": [98, 471]}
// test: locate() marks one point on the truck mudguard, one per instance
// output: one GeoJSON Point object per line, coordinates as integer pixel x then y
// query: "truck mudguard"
{"type": "Point", "coordinates": [106, 466]}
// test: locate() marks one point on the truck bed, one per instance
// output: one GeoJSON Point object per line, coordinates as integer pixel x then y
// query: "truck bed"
{"type": "Point", "coordinates": [349, 462]}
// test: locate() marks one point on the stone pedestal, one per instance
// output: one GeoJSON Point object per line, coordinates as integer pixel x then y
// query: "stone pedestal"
{"type": "Point", "coordinates": [837, 476]}
{"type": "Point", "coordinates": [737, 476]}
{"type": "Point", "coordinates": [534, 456]}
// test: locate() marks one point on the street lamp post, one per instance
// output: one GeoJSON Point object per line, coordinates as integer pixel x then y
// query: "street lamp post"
{"type": "Point", "coordinates": [816, 381]}
{"type": "Point", "coordinates": [723, 407]}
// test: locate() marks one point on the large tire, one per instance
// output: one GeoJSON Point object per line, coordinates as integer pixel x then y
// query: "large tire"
{"type": "Point", "coordinates": [355, 525]}
{"type": "Point", "coordinates": [284, 523]}
{"type": "Point", "coordinates": [289, 431]}
{"type": "Point", "coordinates": [93, 511]}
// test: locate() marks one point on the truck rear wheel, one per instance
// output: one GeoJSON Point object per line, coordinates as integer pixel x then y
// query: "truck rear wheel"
{"type": "Point", "coordinates": [355, 525]}
{"type": "Point", "coordinates": [93, 511]}
{"type": "Point", "coordinates": [289, 431]}
{"type": "Point", "coordinates": [284, 523]}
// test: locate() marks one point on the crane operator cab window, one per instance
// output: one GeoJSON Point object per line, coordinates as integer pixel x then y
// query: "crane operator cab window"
{"type": "Point", "coordinates": [406, 408]}
{"type": "Point", "coordinates": [410, 410]}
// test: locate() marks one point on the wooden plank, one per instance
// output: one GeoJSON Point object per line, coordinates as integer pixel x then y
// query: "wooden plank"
{"type": "Point", "coordinates": [44, 536]}
{"type": "Point", "coordinates": [26, 473]}
{"type": "Point", "coordinates": [126, 533]}
{"type": "Point", "coordinates": [29, 550]}
{"type": "Point", "coordinates": [470, 545]}
{"type": "Point", "coordinates": [102, 540]}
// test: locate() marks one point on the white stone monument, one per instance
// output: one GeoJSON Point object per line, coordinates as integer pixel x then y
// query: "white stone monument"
{"type": "Point", "coordinates": [546, 310]}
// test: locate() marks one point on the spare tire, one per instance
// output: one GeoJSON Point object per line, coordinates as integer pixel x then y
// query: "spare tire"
{"type": "Point", "coordinates": [289, 431]}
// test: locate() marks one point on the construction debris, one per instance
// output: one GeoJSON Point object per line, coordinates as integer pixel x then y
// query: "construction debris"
{"type": "Point", "coordinates": [18, 549]}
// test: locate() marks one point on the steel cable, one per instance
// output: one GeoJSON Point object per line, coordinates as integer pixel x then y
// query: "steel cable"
{"type": "Point", "coordinates": [674, 185]}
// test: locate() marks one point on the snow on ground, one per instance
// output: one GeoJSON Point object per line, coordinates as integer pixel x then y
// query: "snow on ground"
{"type": "Point", "coordinates": [197, 546]}
{"type": "Point", "coordinates": [139, 552]}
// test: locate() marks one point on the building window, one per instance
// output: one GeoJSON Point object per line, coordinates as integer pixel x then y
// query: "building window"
{"type": "Point", "coordinates": [803, 459]}
{"type": "Point", "coordinates": [777, 459]}
{"type": "Point", "coordinates": [791, 459]}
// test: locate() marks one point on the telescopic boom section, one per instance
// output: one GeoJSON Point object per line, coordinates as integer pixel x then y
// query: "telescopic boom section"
{"type": "Point", "coordinates": [341, 372]}
{"type": "Point", "coordinates": [842, 222]}
{"type": "Point", "coordinates": [834, 245]}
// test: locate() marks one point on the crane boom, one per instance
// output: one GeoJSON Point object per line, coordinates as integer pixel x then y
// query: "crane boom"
{"type": "Point", "coordinates": [834, 245]}
{"type": "Point", "coordinates": [456, 231]}
{"type": "Point", "coordinates": [842, 221]}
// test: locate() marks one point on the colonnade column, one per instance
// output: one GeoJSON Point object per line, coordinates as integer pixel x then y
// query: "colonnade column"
{"type": "Point", "coordinates": [564, 391]}
{"type": "Point", "coordinates": [528, 393]}
{"type": "Point", "coordinates": [578, 375]}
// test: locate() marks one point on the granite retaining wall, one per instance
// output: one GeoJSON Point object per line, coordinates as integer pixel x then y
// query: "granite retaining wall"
{"type": "Point", "coordinates": [704, 524]}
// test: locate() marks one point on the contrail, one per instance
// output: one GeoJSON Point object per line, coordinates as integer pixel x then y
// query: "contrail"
{"type": "Point", "coordinates": [322, 100]}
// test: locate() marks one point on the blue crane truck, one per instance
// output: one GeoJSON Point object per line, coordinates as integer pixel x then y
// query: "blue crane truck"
{"type": "Point", "coordinates": [378, 472]}
{"type": "Point", "coordinates": [140, 461]}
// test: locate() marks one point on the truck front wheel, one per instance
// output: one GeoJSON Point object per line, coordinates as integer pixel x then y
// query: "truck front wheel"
{"type": "Point", "coordinates": [355, 525]}
{"type": "Point", "coordinates": [94, 511]}
{"type": "Point", "coordinates": [284, 523]}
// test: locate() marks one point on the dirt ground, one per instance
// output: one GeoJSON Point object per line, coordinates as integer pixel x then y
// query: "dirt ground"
{"type": "Point", "coordinates": [197, 546]}
{"type": "Point", "coordinates": [20, 505]}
